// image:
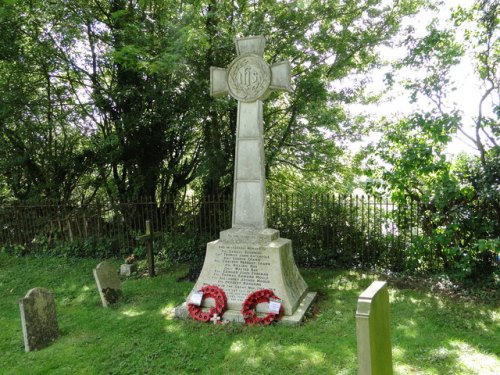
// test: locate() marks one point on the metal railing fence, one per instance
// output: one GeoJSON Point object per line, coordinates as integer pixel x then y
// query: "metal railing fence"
{"type": "Point", "coordinates": [326, 230]}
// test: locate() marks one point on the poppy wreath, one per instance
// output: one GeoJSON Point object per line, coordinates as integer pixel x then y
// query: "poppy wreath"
{"type": "Point", "coordinates": [250, 304]}
{"type": "Point", "coordinates": [218, 295]}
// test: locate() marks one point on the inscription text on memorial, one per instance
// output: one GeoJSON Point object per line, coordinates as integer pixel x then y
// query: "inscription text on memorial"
{"type": "Point", "coordinates": [243, 268]}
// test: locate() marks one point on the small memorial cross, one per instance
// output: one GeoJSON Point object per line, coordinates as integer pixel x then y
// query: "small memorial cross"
{"type": "Point", "coordinates": [149, 238]}
{"type": "Point", "coordinates": [250, 80]}
{"type": "Point", "coordinates": [215, 319]}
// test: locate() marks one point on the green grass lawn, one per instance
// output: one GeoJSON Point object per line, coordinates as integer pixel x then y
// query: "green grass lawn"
{"type": "Point", "coordinates": [430, 334]}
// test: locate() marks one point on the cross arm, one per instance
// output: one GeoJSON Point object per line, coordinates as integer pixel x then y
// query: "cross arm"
{"type": "Point", "coordinates": [280, 76]}
{"type": "Point", "coordinates": [218, 82]}
{"type": "Point", "coordinates": [251, 44]}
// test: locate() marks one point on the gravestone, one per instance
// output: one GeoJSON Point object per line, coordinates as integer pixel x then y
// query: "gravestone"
{"type": "Point", "coordinates": [108, 283]}
{"type": "Point", "coordinates": [128, 269]}
{"type": "Point", "coordinates": [38, 319]}
{"type": "Point", "coordinates": [373, 331]}
{"type": "Point", "coordinates": [250, 256]}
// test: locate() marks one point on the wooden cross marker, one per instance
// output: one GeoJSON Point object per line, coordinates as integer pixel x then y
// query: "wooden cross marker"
{"type": "Point", "coordinates": [250, 80]}
{"type": "Point", "coordinates": [149, 238]}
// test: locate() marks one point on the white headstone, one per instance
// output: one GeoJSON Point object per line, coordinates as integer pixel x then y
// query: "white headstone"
{"type": "Point", "coordinates": [38, 319]}
{"type": "Point", "coordinates": [108, 283]}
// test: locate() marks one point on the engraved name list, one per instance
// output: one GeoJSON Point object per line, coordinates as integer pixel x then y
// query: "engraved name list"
{"type": "Point", "coordinates": [243, 268]}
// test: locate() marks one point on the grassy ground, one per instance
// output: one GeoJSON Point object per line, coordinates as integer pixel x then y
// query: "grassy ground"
{"type": "Point", "coordinates": [430, 334]}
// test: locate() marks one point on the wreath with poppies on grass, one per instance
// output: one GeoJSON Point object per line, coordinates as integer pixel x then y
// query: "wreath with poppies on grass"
{"type": "Point", "coordinates": [250, 304]}
{"type": "Point", "coordinates": [218, 295]}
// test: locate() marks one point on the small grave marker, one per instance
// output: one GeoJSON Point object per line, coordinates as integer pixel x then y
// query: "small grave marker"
{"type": "Point", "coordinates": [38, 319]}
{"type": "Point", "coordinates": [215, 319]}
{"type": "Point", "coordinates": [108, 283]}
{"type": "Point", "coordinates": [373, 331]}
{"type": "Point", "coordinates": [128, 269]}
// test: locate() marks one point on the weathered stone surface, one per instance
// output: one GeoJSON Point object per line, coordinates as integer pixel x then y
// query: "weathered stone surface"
{"type": "Point", "coordinates": [373, 331]}
{"type": "Point", "coordinates": [249, 256]}
{"type": "Point", "coordinates": [240, 268]}
{"type": "Point", "coordinates": [249, 195]}
{"type": "Point", "coordinates": [38, 319]}
{"type": "Point", "coordinates": [108, 283]}
{"type": "Point", "coordinates": [128, 269]}
{"type": "Point", "coordinates": [236, 235]}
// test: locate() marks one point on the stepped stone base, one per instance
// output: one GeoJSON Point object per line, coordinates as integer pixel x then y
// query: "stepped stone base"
{"type": "Point", "coordinates": [243, 261]}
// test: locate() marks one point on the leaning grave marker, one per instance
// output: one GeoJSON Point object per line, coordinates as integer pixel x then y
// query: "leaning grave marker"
{"type": "Point", "coordinates": [38, 319]}
{"type": "Point", "coordinates": [250, 256]}
{"type": "Point", "coordinates": [108, 283]}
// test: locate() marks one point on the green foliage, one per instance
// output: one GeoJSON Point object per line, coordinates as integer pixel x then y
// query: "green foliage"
{"type": "Point", "coordinates": [182, 248]}
{"type": "Point", "coordinates": [90, 247]}
{"type": "Point", "coordinates": [111, 98]}
{"type": "Point", "coordinates": [459, 200]}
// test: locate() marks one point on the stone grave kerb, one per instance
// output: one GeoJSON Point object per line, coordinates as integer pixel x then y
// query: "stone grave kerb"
{"type": "Point", "coordinates": [250, 79]}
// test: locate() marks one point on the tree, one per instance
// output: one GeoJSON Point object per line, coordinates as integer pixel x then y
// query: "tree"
{"type": "Point", "coordinates": [459, 208]}
{"type": "Point", "coordinates": [43, 150]}
{"type": "Point", "coordinates": [127, 81]}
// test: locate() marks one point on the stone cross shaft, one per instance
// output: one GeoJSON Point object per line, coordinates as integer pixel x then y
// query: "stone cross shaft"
{"type": "Point", "coordinates": [250, 80]}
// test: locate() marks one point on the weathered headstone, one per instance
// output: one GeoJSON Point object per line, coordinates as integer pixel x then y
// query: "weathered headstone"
{"type": "Point", "coordinates": [108, 283]}
{"type": "Point", "coordinates": [373, 331]}
{"type": "Point", "coordinates": [38, 319]}
{"type": "Point", "coordinates": [250, 256]}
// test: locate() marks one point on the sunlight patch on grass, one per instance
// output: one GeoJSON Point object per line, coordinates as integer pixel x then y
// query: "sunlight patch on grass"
{"type": "Point", "coordinates": [132, 312]}
{"type": "Point", "coordinates": [168, 312]}
{"type": "Point", "coordinates": [405, 369]}
{"type": "Point", "coordinates": [237, 346]}
{"type": "Point", "coordinates": [84, 293]}
{"type": "Point", "coordinates": [172, 328]}
{"type": "Point", "coordinates": [307, 356]}
{"type": "Point", "coordinates": [399, 367]}
{"type": "Point", "coordinates": [409, 329]}
{"type": "Point", "coordinates": [469, 357]}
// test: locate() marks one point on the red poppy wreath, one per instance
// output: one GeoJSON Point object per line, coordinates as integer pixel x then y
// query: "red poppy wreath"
{"type": "Point", "coordinates": [249, 307]}
{"type": "Point", "coordinates": [218, 295]}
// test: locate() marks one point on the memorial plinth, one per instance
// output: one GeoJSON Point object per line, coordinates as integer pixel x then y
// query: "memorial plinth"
{"type": "Point", "coordinates": [243, 261]}
{"type": "Point", "coordinates": [249, 256]}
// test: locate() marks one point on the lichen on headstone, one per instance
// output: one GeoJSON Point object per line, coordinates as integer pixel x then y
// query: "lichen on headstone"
{"type": "Point", "coordinates": [108, 283]}
{"type": "Point", "coordinates": [38, 319]}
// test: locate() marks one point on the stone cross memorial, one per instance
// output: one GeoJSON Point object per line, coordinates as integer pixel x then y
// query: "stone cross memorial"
{"type": "Point", "coordinates": [108, 283]}
{"type": "Point", "coordinates": [38, 319]}
{"type": "Point", "coordinates": [373, 331]}
{"type": "Point", "coordinates": [250, 256]}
